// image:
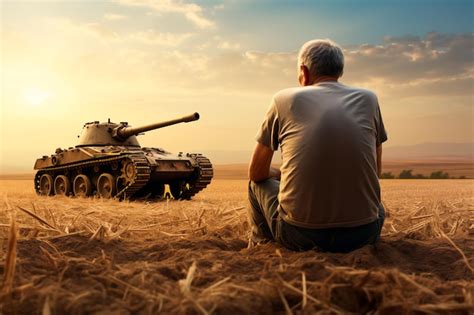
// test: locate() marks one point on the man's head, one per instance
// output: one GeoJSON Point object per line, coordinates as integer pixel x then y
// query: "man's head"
{"type": "Point", "coordinates": [320, 59]}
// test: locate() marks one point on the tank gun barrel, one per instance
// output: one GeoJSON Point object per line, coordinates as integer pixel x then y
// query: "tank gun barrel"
{"type": "Point", "coordinates": [125, 132]}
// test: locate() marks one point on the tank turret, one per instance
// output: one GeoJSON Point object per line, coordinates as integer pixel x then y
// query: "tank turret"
{"type": "Point", "coordinates": [108, 133]}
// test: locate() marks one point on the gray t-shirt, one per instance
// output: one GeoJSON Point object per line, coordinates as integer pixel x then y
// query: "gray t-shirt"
{"type": "Point", "coordinates": [328, 135]}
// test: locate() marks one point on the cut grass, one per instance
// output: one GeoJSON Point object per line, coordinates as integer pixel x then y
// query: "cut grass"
{"type": "Point", "coordinates": [64, 255]}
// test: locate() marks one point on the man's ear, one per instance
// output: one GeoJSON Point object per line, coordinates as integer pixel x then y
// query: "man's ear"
{"type": "Point", "coordinates": [304, 75]}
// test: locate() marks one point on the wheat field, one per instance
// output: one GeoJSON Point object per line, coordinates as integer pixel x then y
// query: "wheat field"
{"type": "Point", "coordinates": [74, 256]}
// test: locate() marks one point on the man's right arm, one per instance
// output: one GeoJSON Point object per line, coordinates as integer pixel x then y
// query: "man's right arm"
{"type": "Point", "coordinates": [381, 136]}
{"type": "Point", "coordinates": [267, 142]}
{"type": "Point", "coordinates": [379, 160]}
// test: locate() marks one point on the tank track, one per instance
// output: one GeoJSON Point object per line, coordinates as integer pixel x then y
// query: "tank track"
{"type": "Point", "coordinates": [203, 179]}
{"type": "Point", "coordinates": [142, 173]}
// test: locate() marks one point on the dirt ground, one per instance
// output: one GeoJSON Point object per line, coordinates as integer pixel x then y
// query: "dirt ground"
{"type": "Point", "coordinates": [77, 256]}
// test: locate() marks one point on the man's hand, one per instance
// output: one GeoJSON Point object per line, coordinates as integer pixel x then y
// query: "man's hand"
{"type": "Point", "coordinates": [275, 173]}
{"type": "Point", "coordinates": [259, 168]}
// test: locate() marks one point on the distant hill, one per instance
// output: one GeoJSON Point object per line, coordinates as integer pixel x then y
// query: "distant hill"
{"type": "Point", "coordinates": [422, 151]}
{"type": "Point", "coordinates": [430, 151]}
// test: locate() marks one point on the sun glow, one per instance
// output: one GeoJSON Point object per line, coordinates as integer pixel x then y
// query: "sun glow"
{"type": "Point", "coordinates": [35, 96]}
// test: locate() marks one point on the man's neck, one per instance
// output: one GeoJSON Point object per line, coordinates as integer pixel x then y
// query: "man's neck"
{"type": "Point", "coordinates": [324, 79]}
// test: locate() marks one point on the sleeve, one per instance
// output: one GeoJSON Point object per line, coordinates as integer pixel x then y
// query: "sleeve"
{"type": "Point", "coordinates": [269, 131]}
{"type": "Point", "coordinates": [381, 133]}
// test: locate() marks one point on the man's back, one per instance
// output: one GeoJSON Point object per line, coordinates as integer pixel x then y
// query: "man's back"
{"type": "Point", "coordinates": [328, 135]}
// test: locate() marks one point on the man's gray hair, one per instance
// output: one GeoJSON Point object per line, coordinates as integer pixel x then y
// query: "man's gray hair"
{"type": "Point", "coordinates": [322, 57]}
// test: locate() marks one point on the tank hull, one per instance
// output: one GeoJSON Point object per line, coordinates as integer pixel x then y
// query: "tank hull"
{"type": "Point", "coordinates": [124, 172]}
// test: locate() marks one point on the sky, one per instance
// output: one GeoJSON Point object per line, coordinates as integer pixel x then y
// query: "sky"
{"type": "Point", "coordinates": [65, 63]}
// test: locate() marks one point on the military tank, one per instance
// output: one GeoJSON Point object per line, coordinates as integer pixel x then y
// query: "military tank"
{"type": "Point", "coordinates": [109, 162]}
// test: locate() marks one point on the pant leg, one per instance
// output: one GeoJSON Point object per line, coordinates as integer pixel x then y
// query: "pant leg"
{"type": "Point", "coordinates": [263, 210]}
{"type": "Point", "coordinates": [380, 221]}
{"type": "Point", "coordinates": [349, 239]}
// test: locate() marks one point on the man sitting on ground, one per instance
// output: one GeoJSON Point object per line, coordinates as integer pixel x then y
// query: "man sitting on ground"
{"type": "Point", "coordinates": [326, 194]}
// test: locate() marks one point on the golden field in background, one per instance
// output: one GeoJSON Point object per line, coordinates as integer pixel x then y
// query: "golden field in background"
{"type": "Point", "coordinates": [455, 168]}
{"type": "Point", "coordinates": [74, 255]}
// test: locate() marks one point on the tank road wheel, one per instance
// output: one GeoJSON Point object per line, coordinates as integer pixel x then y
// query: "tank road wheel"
{"type": "Point", "coordinates": [82, 186]}
{"type": "Point", "coordinates": [106, 187]}
{"type": "Point", "coordinates": [129, 171]}
{"type": "Point", "coordinates": [46, 185]}
{"type": "Point", "coordinates": [62, 185]}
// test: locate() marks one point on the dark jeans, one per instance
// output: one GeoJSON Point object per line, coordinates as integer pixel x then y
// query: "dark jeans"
{"type": "Point", "coordinates": [268, 225]}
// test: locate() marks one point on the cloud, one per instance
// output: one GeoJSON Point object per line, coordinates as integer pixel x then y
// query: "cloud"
{"type": "Point", "coordinates": [398, 67]}
{"type": "Point", "coordinates": [401, 67]}
{"type": "Point", "coordinates": [432, 66]}
{"type": "Point", "coordinates": [100, 31]}
{"type": "Point", "coordinates": [411, 59]}
{"type": "Point", "coordinates": [435, 65]}
{"type": "Point", "coordinates": [106, 34]}
{"type": "Point", "coordinates": [152, 37]}
{"type": "Point", "coordinates": [225, 44]}
{"type": "Point", "coordinates": [114, 17]}
{"type": "Point", "coordinates": [218, 7]}
{"type": "Point", "coordinates": [191, 11]}
{"type": "Point", "coordinates": [68, 28]}
{"type": "Point", "coordinates": [228, 45]}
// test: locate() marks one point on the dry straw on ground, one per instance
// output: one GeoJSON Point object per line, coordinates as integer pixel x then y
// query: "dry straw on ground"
{"type": "Point", "coordinates": [78, 256]}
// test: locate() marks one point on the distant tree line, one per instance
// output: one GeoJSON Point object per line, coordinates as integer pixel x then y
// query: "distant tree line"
{"type": "Point", "coordinates": [408, 174]}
